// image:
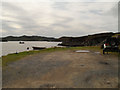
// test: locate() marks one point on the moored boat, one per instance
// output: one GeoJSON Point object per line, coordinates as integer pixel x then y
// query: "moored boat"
{"type": "Point", "coordinates": [21, 42]}
{"type": "Point", "coordinates": [38, 48]}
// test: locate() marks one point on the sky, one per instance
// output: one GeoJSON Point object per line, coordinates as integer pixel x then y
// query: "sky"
{"type": "Point", "coordinates": [57, 18]}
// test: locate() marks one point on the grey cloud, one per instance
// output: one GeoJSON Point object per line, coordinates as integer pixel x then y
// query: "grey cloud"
{"type": "Point", "coordinates": [113, 11]}
{"type": "Point", "coordinates": [24, 20]}
{"type": "Point", "coordinates": [60, 5]}
{"type": "Point", "coordinates": [64, 21]}
{"type": "Point", "coordinates": [29, 23]}
{"type": "Point", "coordinates": [61, 25]}
{"type": "Point", "coordinates": [99, 12]}
{"type": "Point", "coordinates": [6, 26]}
{"type": "Point", "coordinates": [12, 8]}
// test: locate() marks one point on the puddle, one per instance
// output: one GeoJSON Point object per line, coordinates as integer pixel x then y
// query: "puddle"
{"type": "Point", "coordinates": [97, 52]}
{"type": "Point", "coordinates": [82, 65]}
{"type": "Point", "coordinates": [47, 86]}
{"type": "Point", "coordinates": [82, 51]}
{"type": "Point", "coordinates": [105, 63]}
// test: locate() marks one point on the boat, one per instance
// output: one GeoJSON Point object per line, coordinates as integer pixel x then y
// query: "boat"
{"type": "Point", "coordinates": [21, 42]}
{"type": "Point", "coordinates": [38, 48]}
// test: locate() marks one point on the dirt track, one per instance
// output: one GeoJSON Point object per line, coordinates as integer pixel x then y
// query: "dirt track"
{"type": "Point", "coordinates": [60, 69]}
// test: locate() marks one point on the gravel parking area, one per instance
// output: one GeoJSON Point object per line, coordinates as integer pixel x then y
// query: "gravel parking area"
{"type": "Point", "coordinates": [63, 69]}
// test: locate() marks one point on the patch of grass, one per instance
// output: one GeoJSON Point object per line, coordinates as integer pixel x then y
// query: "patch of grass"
{"type": "Point", "coordinates": [116, 35]}
{"type": "Point", "coordinates": [14, 57]}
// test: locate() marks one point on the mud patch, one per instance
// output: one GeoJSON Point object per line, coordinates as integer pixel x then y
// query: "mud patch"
{"type": "Point", "coordinates": [104, 63]}
{"type": "Point", "coordinates": [92, 78]}
{"type": "Point", "coordinates": [48, 86]}
{"type": "Point", "coordinates": [34, 70]}
{"type": "Point", "coordinates": [97, 52]}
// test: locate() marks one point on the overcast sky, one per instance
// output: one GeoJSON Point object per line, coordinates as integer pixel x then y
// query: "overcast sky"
{"type": "Point", "coordinates": [57, 19]}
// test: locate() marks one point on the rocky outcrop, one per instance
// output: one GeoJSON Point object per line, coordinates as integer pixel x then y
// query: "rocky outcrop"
{"type": "Point", "coordinates": [90, 40]}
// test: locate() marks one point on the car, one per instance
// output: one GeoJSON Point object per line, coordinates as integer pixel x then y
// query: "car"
{"type": "Point", "coordinates": [111, 45]}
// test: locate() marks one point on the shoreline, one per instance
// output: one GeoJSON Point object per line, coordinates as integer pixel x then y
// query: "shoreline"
{"type": "Point", "coordinates": [14, 57]}
{"type": "Point", "coordinates": [14, 46]}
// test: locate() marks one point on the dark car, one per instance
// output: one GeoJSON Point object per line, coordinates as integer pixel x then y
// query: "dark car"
{"type": "Point", "coordinates": [111, 45]}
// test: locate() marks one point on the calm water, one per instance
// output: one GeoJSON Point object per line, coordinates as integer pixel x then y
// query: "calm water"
{"type": "Point", "coordinates": [14, 46]}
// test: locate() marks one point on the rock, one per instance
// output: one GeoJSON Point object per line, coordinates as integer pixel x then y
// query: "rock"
{"type": "Point", "coordinates": [90, 40]}
{"type": "Point", "coordinates": [108, 82]}
{"type": "Point", "coordinates": [82, 65]}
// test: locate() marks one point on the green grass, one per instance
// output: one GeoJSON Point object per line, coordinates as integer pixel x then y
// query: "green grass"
{"type": "Point", "coordinates": [14, 57]}
{"type": "Point", "coordinates": [116, 35]}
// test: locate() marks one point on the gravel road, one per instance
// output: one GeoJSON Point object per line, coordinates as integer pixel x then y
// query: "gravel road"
{"type": "Point", "coordinates": [63, 69]}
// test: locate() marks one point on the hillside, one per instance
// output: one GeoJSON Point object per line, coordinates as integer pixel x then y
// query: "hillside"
{"type": "Point", "coordinates": [28, 38]}
{"type": "Point", "coordinates": [90, 40]}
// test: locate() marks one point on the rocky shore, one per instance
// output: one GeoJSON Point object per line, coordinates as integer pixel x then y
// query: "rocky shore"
{"type": "Point", "coordinates": [90, 40]}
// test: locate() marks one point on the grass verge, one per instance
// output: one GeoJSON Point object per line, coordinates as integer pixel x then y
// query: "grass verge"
{"type": "Point", "coordinates": [14, 57]}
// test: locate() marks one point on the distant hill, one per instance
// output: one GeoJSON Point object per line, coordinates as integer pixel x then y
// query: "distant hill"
{"type": "Point", "coordinates": [90, 40]}
{"type": "Point", "coordinates": [28, 38]}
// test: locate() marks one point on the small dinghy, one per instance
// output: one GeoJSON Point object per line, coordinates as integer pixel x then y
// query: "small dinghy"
{"type": "Point", "coordinates": [21, 42]}
{"type": "Point", "coordinates": [38, 48]}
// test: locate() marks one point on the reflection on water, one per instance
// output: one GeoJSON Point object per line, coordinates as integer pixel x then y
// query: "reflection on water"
{"type": "Point", "coordinates": [14, 46]}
